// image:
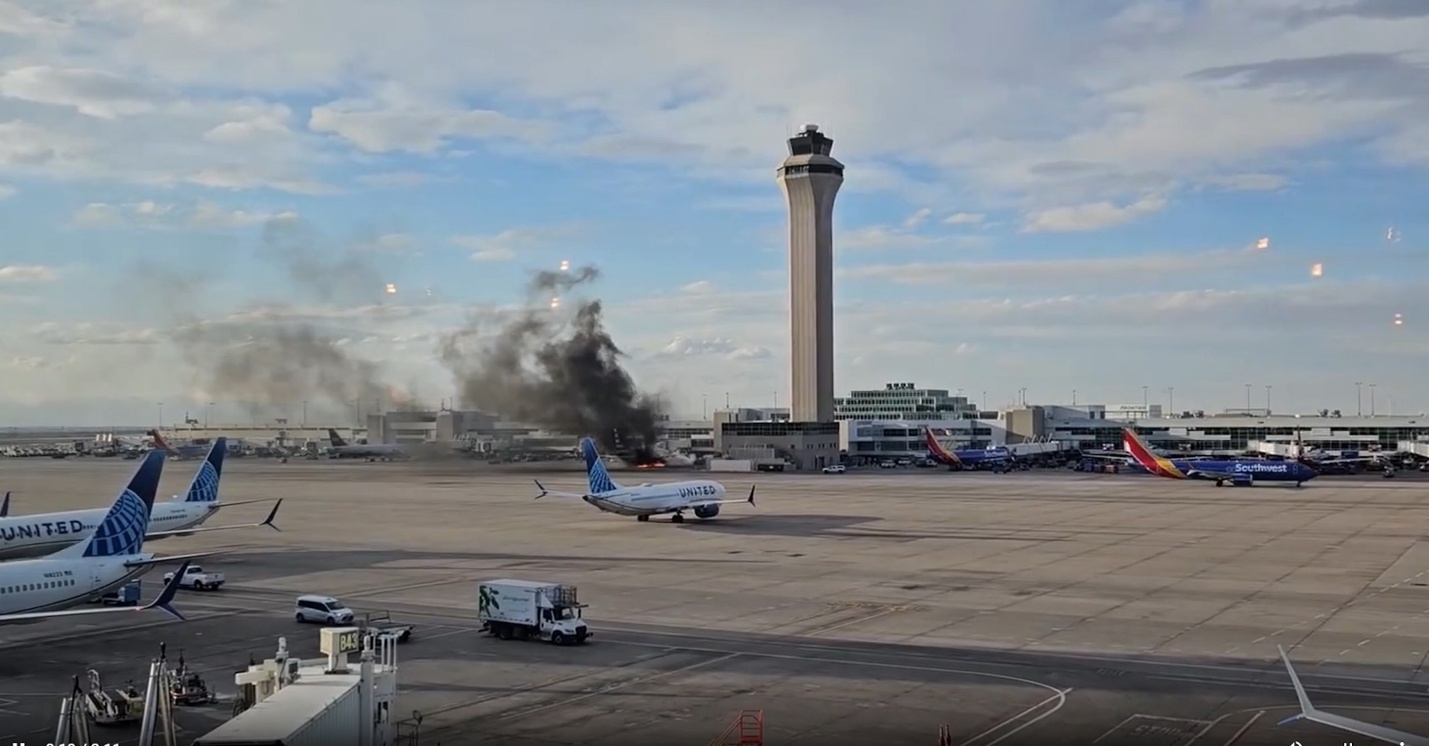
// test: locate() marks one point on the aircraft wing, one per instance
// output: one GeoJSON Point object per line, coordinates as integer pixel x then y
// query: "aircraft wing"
{"type": "Point", "coordinates": [162, 603]}
{"type": "Point", "coordinates": [186, 531]}
{"type": "Point", "coordinates": [170, 558]}
{"type": "Point", "coordinates": [1195, 473]}
{"type": "Point", "coordinates": [703, 503]}
{"type": "Point", "coordinates": [556, 493]}
{"type": "Point", "coordinates": [1358, 727]}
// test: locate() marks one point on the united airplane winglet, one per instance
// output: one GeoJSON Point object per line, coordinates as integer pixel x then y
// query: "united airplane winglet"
{"type": "Point", "coordinates": [5, 506]}
{"type": "Point", "coordinates": [541, 488]}
{"type": "Point", "coordinates": [1358, 727]}
{"type": "Point", "coordinates": [751, 493]}
{"type": "Point", "coordinates": [273, 514]}
{"type": "Point", "coordinates": [165, 600]}
{"type": "Point", "coordinates": [204, 487]}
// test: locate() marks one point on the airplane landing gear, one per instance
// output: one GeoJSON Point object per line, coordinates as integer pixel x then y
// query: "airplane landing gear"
{"type": "Point", "coordinates": [642, 518]}
{"type": "Point", "coordinates": [677, 518]}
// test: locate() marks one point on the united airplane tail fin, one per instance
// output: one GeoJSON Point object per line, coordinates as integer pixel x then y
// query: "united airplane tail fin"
{"type": "Point", "coordinates": [335, 439]}
{"type": "Point", "coordinates": [204, 488]}
{"type": "Point", "coordinates": [121, 533]}
{"type": "Point", "coordinates": [936, 449]}
{"type": "Point", "coordinates": [5, 506]}
{"type": "Point", "coordinates": [600, 481]}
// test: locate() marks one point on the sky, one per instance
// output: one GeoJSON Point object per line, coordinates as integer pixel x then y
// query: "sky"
{"type": "Point", "coordinates": [1097, 196]}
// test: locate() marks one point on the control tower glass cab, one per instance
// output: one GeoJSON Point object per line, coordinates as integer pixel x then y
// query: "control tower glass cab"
{"type": "Point", "coordinates": [811, 142]}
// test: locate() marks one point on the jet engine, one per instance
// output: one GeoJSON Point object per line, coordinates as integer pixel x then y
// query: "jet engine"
{"type": "Point", "coordinates": [706, 511]}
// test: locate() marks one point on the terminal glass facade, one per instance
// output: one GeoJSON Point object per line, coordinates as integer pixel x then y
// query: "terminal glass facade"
{"type": "Point", "coordinates": [902, 401]}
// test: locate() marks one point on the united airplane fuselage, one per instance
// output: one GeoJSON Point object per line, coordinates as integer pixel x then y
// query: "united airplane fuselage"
{"type": "Point", "coordinates": [40, 585]}
{"type": "Point", "coordinates": [38, 535]}
{"type": "Point", "coordinates": [658, 499]}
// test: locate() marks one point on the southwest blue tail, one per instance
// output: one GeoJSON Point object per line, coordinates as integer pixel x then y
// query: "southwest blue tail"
{"type": "Point", "coordinates": [600, 481]}
{"type": "Point", "coordinates": [204, 488]}
{"type": "Point", "coordinates": [121, 533]}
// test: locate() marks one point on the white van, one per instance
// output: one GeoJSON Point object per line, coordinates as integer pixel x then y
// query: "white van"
{"type": "Point", "coordinates": [322, 610]}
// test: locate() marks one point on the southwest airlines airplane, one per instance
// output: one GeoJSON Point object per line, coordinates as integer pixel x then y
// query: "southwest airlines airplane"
{"type": "Point", "coordinates": [110, 557]}
{"type": "Point", "coordinates": [1241, 472]}
{"type": "Point", "coordinates": [36, 535]}
{"type": "Point", "coordinates": [1359, 728]}
{"type": "Point", "coordinates": [971, 458]}
{"type": "Point", "coordinates": [701, 496]}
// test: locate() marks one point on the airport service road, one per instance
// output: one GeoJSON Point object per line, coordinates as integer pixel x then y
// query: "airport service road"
{"type": "Point", "coordinates": [679, 683]}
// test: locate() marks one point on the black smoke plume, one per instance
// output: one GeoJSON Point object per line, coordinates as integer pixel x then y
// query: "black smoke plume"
{"type": "Point", "coordinates": [557, 370]}
{"type": "Point", "coordinates": [273, 357]}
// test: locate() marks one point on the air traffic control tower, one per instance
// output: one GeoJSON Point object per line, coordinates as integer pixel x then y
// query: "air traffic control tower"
{"type": "Point", "coordinates": [810, 178]}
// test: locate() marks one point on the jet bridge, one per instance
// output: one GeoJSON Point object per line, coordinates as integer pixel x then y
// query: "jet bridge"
{"type": "Point", "coordinates": [285, 700]}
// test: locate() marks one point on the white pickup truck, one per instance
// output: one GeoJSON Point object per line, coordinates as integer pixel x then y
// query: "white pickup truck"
{"type": "Point", "coordinates": [198, 579]}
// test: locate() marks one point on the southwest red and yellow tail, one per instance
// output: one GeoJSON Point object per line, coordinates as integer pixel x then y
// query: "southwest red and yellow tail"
{"type": "Point", "coordinates": [1158, 465]}
{"type": "Point", "coordinates": [938, 451]}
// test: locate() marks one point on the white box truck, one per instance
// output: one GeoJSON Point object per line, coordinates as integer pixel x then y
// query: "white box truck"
{"type": "Point", "coordinates": [522, 609]}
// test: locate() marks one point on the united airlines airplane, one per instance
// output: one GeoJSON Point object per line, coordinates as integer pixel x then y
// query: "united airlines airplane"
{"type": "Point", "coordinates": [1242, 472]}
{"type": "Point", "coordinates": [700, 496]}
{"type": "Point", "coordinates": [36, 535]}
{"type": "Point", "coordinates": [51, 586]}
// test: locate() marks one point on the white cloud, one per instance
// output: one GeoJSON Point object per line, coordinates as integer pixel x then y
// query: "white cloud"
{"type": "Point", "coordinates": [28, 273]}
{"type": "Point", "coordinates": [1085, 272]}
{"type": "Point", "coordinates": [21, 22]}
{"type": "Point", "coordinates": [904, 235]}
{"type": "Point", "coordinates": [398, 179]}
{"type": "Point", "coordinates": [1091, 217]}
{"type": "Point", "coordinates": [507, 244]}
{"type": "Point", "coordinates": [376, 128]}
{"type": "Point", "coordinates": [93, 93]}
{"type": "Point", "coordinates": [964, 218]}
{"type": "Point", "coordinates": [721, 348]}
{"type": "Point", "coordinates": [153, 215]}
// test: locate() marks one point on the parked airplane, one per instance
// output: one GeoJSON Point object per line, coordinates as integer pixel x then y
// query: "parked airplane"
{"type": "Point", "coordinates": [36, 535]}
{"type": "Point", "coordinates": [970, 458]}
{"type": "Point", "coordinates": [342, 449]}
{"type": "Point", "coordinates": [179, 452]}
{"type": "Point", "coordinates": [1239, 472]}
{"type": "Point", "coordinates": [1358, 727]}
{"type": "Point", "coordinates": [701, 496]}
{"type": "Point", "coordinates": [110, 557]}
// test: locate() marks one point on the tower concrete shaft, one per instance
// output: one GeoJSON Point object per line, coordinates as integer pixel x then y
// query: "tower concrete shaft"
{"type": "Point", "coordinates": [810, 178]}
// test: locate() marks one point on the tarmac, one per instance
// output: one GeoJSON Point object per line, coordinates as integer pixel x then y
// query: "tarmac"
{"type": "Point", "coordinates": [1034, 607]}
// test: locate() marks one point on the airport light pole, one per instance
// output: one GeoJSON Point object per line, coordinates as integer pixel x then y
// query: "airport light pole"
{"type": "Point", "coordinates": [305, 414]}
{"type": "Point", "coordinates": [161, 415]}
{"type": "Point", "coordinates": [1145, 401]}
{"type": "Point", "coordinates": [1359, 399]}
{"type": "Point", "coordinates": [205, 414]}
{"type": "Point", "coordinates": [704, 406]}
{"type": "Point", "coordinates": [1247, 398]}
{"type": "Point", "coordinates": [1171, 399]}
{"type": "Point", "coordinates": [1371, 398]}
{"type": "Point", "coordinates": [1074, 397]}
{"type": "Point", "coordinates": [1022, 396]}
{"type": "Point", "coordinates": [1267, 398]}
